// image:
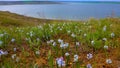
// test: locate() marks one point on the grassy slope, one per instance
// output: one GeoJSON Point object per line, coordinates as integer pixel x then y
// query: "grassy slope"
{"type": "Point", "coordinates": [27, 43]}
{"type": "Point", "coordinates": [15, 20]}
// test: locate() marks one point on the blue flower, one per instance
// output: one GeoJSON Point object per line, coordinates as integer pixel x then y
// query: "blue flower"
{"type": "Point", "coordinates": [3, 53]}
{"type": "Point", "coordinates": [112, 35]}
{"type": "Point", "coordinates": [67, 54]}
{"type": "Point", "coordinates": [89, 66]}
{"type": "Point", "coordinates": [12, 40]}
{"type": "Point", "coordinates": [104, 28]}
{"type": "Point", "coordinates": [108, 61]}
{"type": "Point", "coordinates": [54, 44]}
{"type": "Point", "coordinates": [75, 58]}
{"type": "Point", "coordinates": [64, 45]}
{"type": "Point", "coordinates": [60, 62]}
{"type": "Point", "coordinates": [89, 56]}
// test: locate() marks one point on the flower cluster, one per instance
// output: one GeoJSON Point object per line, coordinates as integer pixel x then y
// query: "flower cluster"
{"type": "Point", "coordinates": [3, 53]}
{"type": "Point", "coordinates": [76, 58]}
{"type": "Point", "coordinates": [60, 62]}
{"type": "Point", "coordinates": [89, 56]}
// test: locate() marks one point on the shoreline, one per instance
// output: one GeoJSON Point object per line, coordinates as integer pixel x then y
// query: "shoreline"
{"type": "Point", "coordinates": [53, 2]}
{"type": "Point", "coordinates": [8, 18]}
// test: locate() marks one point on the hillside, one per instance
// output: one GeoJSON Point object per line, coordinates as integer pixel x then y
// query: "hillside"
{"type": "Point", "coordinates": [15, 20]}
{"type": "Point", "coordinates": [58, 44]}
{"type": "Point", "coordinates": [27, 2]}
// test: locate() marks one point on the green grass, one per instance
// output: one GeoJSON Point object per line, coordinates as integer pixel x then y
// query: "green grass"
{"type": "Point", "coordinates": [30, 39]}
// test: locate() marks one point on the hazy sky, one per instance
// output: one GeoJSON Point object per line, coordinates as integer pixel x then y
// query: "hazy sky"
{"type": "Point", "coordinates": [59, 0]}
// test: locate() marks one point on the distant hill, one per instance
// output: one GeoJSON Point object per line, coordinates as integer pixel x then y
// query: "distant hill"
{"type": "Point", "coordinates": [27, 2]}
{"type": "Point", "coordinates": [116, 2]}
{"type": "Point", "coordinates": [51, 2]}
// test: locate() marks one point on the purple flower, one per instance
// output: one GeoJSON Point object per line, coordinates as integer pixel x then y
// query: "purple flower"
{"type": "Point", "coordinates": [62, 45]}
{"type": "Point", "coordinates": [3, 53]}
{"type": "Point", "coordinates": [89, 66]}
{"type": "Point", "coordinates": [77, 44]}
{"type": "Point", "coordinates": [108, 61]}
{"type": "Point", "coordinates": [54, 44]}
{"type": "Point", "coordinates": [60, 41]}
{"type": "Point", "coordinates": [12, 40]}
{"type": "Point", "coordinates": [89, 56]}
{"type": "Point", "coordinates": [60, 62]}
{"type": "Point", "coordinates": [75, 58]}
{"type": "Point", "coordinates": [14, 49]}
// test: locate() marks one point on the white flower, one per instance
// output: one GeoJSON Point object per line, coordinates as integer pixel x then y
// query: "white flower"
{"type": "Point", "coordinates": [67, 54]}
{"type": "Point", "coordinates": [90, 26]}
{"type": "Point", "coordinates": [89, 66]}
{"type": "Point", "coordinates": [48, 42]}
{"type": "Point", "coordinates": [51, 41]}
{"type": "Point", "coordinates": [31, 34]}
{"type": "Point", "coordinates": [37, 39]}
{"type": "Point", "coordinates": [62, 45]}
{"type": "Point", "coordinates": [60, 62]}
{"type": "Point", "coordinates": [26, 39]}
{"type": "Point", "coordinates": [60, 28]}
{"type": "Point", "coordinates": [54, 44]}
{"type": "Point", "coordinates": [75, 58]}
{"type": "Point", "coordinates": [77, 43]}
{"type": "Point", "coordinates": [17, 59]}
{"type": "Point", "coordinates": [105, 47]}
{"type": "Point", "coordinates": [1, 35]}
{"type": "Point", "coordinates": [92, 42]}
{"type": "Point", "coordinates": [104, 39]}
{"type": "Point", "coordinates": [104, 28]}
{"type": "Point", "coordinates": [12, 40]}
{"type": "Point", "coordinates": [68, 31]}
{"type": "Point", "coordinates": [85, 35]}
{"type": "Point", "coordinates": [60, 41]}
{"type": "Point", "coordinates": [108, 61]}
{"type": "Point", "coordinates": [13, 56]}
{"type": "Point", "coordinates": [112, 35]}
{"type": "Point", "coordinates": [14, 49]}
{"type": "Point", "coordinates": [37, 52]}
{"type": "Point", "coordinates": [89, 56]}
{"type": "Point", "coordinates": [73, 35]}
{"type": "Point", "coordinates": [66, 45]}
{"type": "Point", "coordinates": [84, 23]}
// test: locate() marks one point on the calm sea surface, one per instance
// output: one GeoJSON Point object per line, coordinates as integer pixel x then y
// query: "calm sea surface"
{"type": "Point", "coordinates": [69, 11]}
